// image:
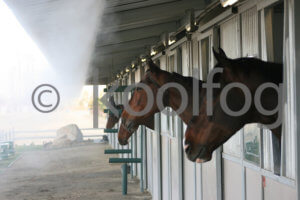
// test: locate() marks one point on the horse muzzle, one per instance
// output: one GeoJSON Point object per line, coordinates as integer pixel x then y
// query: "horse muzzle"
{"type": "Point", "coordinates": [123, 141]}
{"type": "Point", "coordinates": [123, 136]}
{"type": "Point", "coordinates": [200, 154]}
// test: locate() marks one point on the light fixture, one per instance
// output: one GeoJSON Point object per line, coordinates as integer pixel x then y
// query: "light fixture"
{"type": "Point", "coordinates": [118, 76]}
{"type": "Point", "coordinates": [171, 41]}
{"type": "Point", "coordinates": [134, 63]}
{"type": "Point", "coordinates": [127, 70]}
{"type": "Point", "coordinates": [188, 28]}
{"type": "Point", "coordinates": [157, 48]}
{"type": "Point", "coordinates": [190, 21]}
{"type": "Point", "coordinates": [153, 52]}
{"type": "Point", "coordinates": [226, 3]}
{"type": "Point", "coordinates": [143, 59]}
{"type": "Point", "coordinates": [172, 38]}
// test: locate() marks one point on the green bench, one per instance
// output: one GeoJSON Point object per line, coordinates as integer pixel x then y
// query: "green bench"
{"type": "Point", "coordinates": [125, 161]}
{"type": "Point", "coordinates": [124, 166]}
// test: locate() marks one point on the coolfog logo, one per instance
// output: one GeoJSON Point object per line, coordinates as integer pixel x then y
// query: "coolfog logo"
{"type": "Point", "coordinates": [45, 98]}
{"type": "Point", "coordinates": [158, 97]}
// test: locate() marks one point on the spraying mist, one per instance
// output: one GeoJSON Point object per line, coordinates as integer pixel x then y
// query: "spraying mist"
{"type": "Point", "coordinates": [48, 42]}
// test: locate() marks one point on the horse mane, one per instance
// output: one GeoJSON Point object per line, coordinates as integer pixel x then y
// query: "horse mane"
{"type": "Point", "coordinates": [185, 81]}
{"type": "Point", "coordinates": [272, 72]}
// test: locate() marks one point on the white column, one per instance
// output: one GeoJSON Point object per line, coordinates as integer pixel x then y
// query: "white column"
{"type": "Point", "coordinates": [95, 106]}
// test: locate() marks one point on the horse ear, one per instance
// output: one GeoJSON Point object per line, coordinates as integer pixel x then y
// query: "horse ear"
{"type": "Point", "coordinates": [215, 53]}
{"type": "Point", "coordinates": [152, 67]}
{"type": "Point", "coordinates": [226, 64]}
{"type": "Point", "coordinates": [111, 100]}
{"type": "Point", "coordinates": [221, 56]}
{"type": "Point", "coordinates": [222, 53]}
{"type": "Point", "coordinates": [120, 108]}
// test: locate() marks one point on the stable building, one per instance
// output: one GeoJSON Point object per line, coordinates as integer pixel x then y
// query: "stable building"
{"type": "Point", "coordinates": [179, 36]}
{"type": "Point", "coordinates": [243, 168]}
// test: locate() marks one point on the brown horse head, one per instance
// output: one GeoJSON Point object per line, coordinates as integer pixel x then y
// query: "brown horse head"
{"type": "Point", "coordinates": [206, 133]}
{"type": "Point", "coordinates": [112, 118]}
{"type": "Point", "coordinates": [153, 78]}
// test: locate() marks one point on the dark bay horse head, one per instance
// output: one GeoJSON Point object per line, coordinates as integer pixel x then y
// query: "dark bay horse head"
{"type": "Point", "coordinates": [112, 118]}
{"type": "Point", "coordinates": [153, 78]}
{"type": "Point", "coordinates": [207, 132]}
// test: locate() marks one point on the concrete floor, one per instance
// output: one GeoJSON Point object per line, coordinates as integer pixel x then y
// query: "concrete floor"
{"type": "Point", "coordinates": [81, 172]}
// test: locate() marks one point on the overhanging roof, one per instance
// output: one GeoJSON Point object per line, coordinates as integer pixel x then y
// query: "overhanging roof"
{"type": "Point", "coordinates": [127, 29]}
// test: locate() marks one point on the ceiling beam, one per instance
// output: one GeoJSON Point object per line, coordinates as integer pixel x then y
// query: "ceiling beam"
{"type": "Point", "coordinates": [116, 58]}
{"type": "Point", "coordinates": [155, 12]}
{"type": "Point", "coordinates": [117, 6]}
{"type": "Point", "coordinates": [126, 46]}
{"type": "Point", "coordinates": [107, 65]}
{"type": "Point", "coordinates": [127, 34]}
{"type": "Point", "coordinates": [135, 34]}
{"type": "Point", "coordinates": [139, 24]}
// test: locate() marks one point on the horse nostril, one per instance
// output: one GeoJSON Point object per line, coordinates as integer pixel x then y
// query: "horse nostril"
{"type": "Point", "coordinates": [186, 146]}
{"type": "Point", "coordinates": [123, 141]}
{"type": "Point", "coordinates": [188, 149]}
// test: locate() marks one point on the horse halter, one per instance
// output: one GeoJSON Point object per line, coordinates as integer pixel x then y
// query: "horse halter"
{"type": "Point", "coordinates": [153, 81]}
{"type": "Point", "coordinates": [166, 93]}
{"type": "Point", "coordinates": [111, 114]}
{"type": "Point", "coordinates": [129, 126]}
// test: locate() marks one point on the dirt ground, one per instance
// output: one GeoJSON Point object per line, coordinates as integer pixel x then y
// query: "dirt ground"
{"type": "Point", "coordinates": [81, 172]}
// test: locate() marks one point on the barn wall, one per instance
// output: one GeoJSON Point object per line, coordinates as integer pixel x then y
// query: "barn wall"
{"type": "Point", "coordinates": [241, 34]}
{"type": "Point", "coordinates": [253, 185]}
{"type": "Point", "coordinates": [232, 174]}
{"type": "Point", "coordinates": [189, 168]}
{"type": "Point", "coordinates": [209, 179]}
{"type": "Point", "coordinates": [275, 190]}
{"type": "Point", "coordinates": [150, 163]}
{"type": "Point", "coordinates": [246, 28]}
